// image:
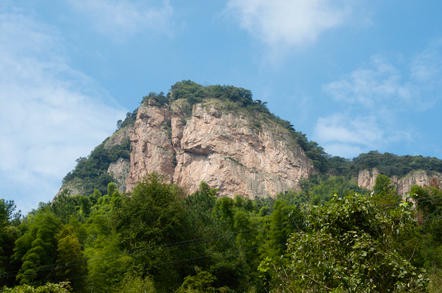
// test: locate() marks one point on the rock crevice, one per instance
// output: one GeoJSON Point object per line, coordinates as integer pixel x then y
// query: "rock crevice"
{"type": "Point", "coordinates": [226, 150]}
{"type": "Point", "coordinates": [367, 180]}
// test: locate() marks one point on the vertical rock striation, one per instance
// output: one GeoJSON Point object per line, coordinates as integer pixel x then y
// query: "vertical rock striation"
{"type": "Point", "coordinates": [151, 146]}
{"type": "Point", "coordinates": [230, 150]}
{"type": "Point", "coordinates": [367, 180]}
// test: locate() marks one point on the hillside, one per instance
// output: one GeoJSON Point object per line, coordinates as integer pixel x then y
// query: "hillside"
{"type": "Point", "coordinates": [226, 197]}
{"type": "Point", "coordinates": [221, 135]}
{"type": "Point", "coordinates": [216, 134]}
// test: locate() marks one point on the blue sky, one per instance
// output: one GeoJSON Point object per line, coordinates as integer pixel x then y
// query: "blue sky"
{"type": "Point", "coordinates": [353, 75]}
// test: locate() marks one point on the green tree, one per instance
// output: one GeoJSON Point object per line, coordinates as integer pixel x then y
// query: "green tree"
{"type": "Point", "coordinates": [62, 287]}
{"type": "Point", "coordinates": [36, 248]}
{"type": "Point", "coordinates": [428, 242]}
{"type": "Point", "coordinates": [285, 219]}
{"type": "Point", "coordinates": [9, 232]}
{"type": "Point", "coordinates": [107, 263]}
{"type": "Point", "coordinates": [136, 284]}
{"type": "Point", "coordinates": [385, 193]}
{"type": "Point", "coordinates": [154, 230]}
{"type": "Point", "coordinates": [70, 263]}
{"type": "Point", "coordinates": [350, 245]}
{"type": "Point", "coordinates": [201, 282]}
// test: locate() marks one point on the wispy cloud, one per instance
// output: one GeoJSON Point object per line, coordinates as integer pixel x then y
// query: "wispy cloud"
{"type": "Point", "coordinates": [426, 68]}
{"type": "Point", "coordinates": [119, 19]}
{"type": "Point", "coordinates": [348, 135]}
{"type": "Point", "coordinates": [284, 24]}
{"type": "Point", "coordinates": [50, 114]}
{"type": "Point", "coordinates": [371, 87]}
{"type": "Point", "coordinates": [376, 96]}
{"type": "Point", "coordinates": [343, 129]}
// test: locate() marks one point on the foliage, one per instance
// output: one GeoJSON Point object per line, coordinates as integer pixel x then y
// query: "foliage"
{"type": "Point", "coordinates": [157, 99]}
{"type": "Point", "coordinates": [35, 248]}
{"type": "Point", "coordinates": [9, 220]}
{"type": "Point", "coordinates": [429, 214]}
{"type": "Point", "coordinates": [326, 237]}
{"type": "Point", "coordinates": [201, 282]}
{"type": "Point", "coordinates": [70, 262]}
{"type": "Point", "coordinates": [195, 93]}
{"type": "Point", "coordinates": [135, 284]}
{"type": "Point", "coordinates": [128, 121]}
{"type": "Point", "coordinates": [318, 189]}
{"type": "Point", "coordinates": [313, 151]}
{"type": "Point", "coordinates": [390, 164]}
{"type": "Point", "coordinates": [152, 222]}
{"type": "Point", "coordinates": [62, 287]}
{"type": "Point", "coordinates": [93, 170]}
{"type": "Point", "coordinates": [349, 246]}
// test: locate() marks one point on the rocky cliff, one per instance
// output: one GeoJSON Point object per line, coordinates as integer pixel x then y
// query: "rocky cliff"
{"type": "Point", "coordinates": [367, 180]}
{"type": "Point", "coordinates": [237, 151]}
{"type": "Point", "coordinates": [215, 134]}
{"type": "Point", "coordinates": [220, 135]}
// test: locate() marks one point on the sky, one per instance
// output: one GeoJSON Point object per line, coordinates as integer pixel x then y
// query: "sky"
{"type": "Point", "coordinates": [353, 76]}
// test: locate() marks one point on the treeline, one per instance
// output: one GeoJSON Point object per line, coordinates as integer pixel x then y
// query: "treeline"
{"type": "Point", "coordinates": [328, 237]}
{"type": "Point", "coordinates": [91, 171]}
{"type": "Point", "coordinates": [394, 165]}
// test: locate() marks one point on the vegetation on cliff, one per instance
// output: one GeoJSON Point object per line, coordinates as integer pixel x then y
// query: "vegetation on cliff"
{"type": "Point", "coordinates": [331, 236]}
{"type": "Point", "coordinates": [92, 171]}
{"type": "Point", "coordinates": [394, 165]}
{"type": "Point", "coordinates": [159, 239]}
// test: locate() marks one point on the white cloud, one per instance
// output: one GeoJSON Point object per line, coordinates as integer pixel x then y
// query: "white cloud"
{"type": "Point", "coordinates": [426, 68]}
{"type": "Point", "coordinates": [382, 85]}
{"type": "Point", "coordinates": [50, 114]}
{"type": "Point", "coordinates": [349, 135]}
{"type": "Point", "coordinates": [346, 136]}
{"type": "Point", "coordinates": [378, 95]}
{"type": "Point", "coordinates": [121, 18]}
{"type": "Point", "coordinates": [284, 24]}
{"type": "Point", "coordinates": [372, 87]}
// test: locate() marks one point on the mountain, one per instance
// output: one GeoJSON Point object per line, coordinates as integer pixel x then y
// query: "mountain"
{"type": "Point", "coordinates": [222, 136]}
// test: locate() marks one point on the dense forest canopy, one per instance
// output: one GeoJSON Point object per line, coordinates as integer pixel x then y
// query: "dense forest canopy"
{"type": "Point", "coordinates": [331, 236]}
{"type": "Point", "coordinates": [328, 237]}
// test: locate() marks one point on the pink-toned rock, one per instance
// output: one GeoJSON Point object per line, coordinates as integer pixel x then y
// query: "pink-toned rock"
{"type": "Point", "coordinates": [229, 150]}
{"type": "Point", "coordinates": [367, 180]}
{"type": "Point", "coordinates": [151, 147]}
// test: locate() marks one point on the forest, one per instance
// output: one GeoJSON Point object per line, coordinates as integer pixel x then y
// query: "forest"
{"type": "Point", "coordinates": [329, 237]}
{"type": "Point", "coordinates": [92, 171]}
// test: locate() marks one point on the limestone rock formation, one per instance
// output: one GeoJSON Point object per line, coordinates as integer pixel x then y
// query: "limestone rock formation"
{"type": "Point", "coordinates": [367, 179]}
{"type": "Point", "coordinates": [418, 177]}
{"type": "Point", "coordinates": [220, 135]}
{"type": "Point", "coordinates": [230, 150]}
{"type": "Point", "coordinates": [119, 170]}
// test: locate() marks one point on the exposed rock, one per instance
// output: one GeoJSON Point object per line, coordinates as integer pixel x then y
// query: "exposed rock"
{"type": "Point", "coordinates": [151, 145]}
{"type": "Point", "coordinates": [73, 187]}
{"type": "Point", "coordinates": [418, 177]}
{"type": "Point", "coordinates": [119, 170]}
{"type": "Point", "coordinates": [118, 138]}
{"type": "Point", "coordinates": [367, 179]}
{"type": "Point", "coordinates": [229, 150]}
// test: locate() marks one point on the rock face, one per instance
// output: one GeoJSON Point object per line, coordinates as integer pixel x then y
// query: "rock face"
{"type": "Point", "coordinates": [119, 170]}
{"type": "Point", "coordinates": [419, 177]}
{"type": "Point", "coordinates": [367, 179]}
{"type": "Point", "coordinates": [229, 150]}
